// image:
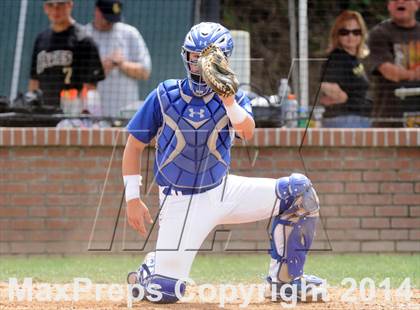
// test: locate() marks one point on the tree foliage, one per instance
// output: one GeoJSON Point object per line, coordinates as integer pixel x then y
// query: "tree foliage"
{"type": "Point", "coordinates": [268, 23]}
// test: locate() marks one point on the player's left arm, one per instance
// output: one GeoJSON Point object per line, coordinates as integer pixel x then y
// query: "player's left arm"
{"type": "Point", "coordinates": [240, 116]}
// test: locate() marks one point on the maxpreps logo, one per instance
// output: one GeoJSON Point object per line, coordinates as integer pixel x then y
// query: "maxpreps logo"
{"type": "Point", "coordinates": [223, 294]}
{"type": "Point", "coordinates": [47, 292]}
{"type": "Point", "coordinates": [243, 295]}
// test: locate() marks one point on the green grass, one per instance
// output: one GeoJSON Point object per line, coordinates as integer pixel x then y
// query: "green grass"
{"type": "Point", "coordinates": [212, 268]}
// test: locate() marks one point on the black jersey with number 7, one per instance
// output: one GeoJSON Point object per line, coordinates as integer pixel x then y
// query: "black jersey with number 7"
{"type": "Point", "coordinates": [64, 60]}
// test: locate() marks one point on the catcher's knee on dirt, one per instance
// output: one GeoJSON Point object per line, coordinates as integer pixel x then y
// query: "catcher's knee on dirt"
{"type": "Point", "coordinates": [293, 229]}
{"type": "Point", "coordinates": [156, 288]}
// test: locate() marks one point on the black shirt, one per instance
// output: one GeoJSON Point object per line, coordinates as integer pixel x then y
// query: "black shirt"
{"type": "Point", "coordinates": [348, 72]}
{"type": "Point", "coordinates": [400, 46]}
{"type": "Point", "coordinates": [64, 60]}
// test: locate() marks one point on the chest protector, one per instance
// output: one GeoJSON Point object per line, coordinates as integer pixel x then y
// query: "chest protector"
{"type": "Point", "coordinates": [194, 141]}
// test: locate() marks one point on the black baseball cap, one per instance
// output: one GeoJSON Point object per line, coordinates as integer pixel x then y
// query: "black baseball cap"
{"type": "Point", "coordinates": [110, 9]}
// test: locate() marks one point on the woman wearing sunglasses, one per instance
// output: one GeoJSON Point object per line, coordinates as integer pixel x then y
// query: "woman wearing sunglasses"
{"type": "Point", "coordinates": [344, 84]}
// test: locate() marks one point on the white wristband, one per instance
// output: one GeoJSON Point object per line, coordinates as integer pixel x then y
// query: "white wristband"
{"type": "Point", "coordinates": [236, 113]}
{"type": "Point", "coordinates": [132, 185]}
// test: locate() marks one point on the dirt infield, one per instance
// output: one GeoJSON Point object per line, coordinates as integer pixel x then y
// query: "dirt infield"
{"type": "Point", "coordinates": [88, 301]}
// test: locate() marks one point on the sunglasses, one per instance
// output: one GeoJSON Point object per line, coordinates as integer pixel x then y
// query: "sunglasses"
{"type": "Point", "coordinates": [346, 32]}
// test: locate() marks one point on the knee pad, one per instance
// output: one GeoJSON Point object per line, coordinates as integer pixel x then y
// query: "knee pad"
{"type": "Point", "coordinates": [296, 194]}
{"type": "Point", "coordinates": [293, 229]}
{"type": "Point", "coordinates": [164, 290]}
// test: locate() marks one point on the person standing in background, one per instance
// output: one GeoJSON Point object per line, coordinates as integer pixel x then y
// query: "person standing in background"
{"type": "Point", "coordinates": [63, 56]}
{"type": "Point", "coordinates": [124, 55]}
{"type": "Point", "coordinates": [418, 11]}
{"type": "Point", "coordinates": [395, 61]}
{"type": "Point", "coordinates": [345, 85]}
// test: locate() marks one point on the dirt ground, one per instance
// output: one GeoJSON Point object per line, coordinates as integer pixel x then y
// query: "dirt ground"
{"type": "Point", "coordinates": [203, 299]}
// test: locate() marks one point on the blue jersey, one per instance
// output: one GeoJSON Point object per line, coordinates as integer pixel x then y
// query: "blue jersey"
{"type": "Point", "coordinates": [193, 135]}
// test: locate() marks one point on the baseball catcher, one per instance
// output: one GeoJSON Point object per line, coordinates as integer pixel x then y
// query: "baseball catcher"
{"type": "Point", "coordinates": [194, 121]}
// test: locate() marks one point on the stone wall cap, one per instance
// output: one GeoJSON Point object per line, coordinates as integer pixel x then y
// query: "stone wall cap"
{"type": "Point", "coordinates": [263, 137]}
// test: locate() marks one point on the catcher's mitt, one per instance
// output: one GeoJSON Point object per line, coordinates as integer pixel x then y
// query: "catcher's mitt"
{"type": "Point", "coordinates": [215, 71]}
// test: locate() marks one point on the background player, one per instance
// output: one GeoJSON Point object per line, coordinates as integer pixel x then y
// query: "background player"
{"type": "Point", "coordinates": [63, 56]}
{"type": "Point", "coordinates": [194, 130]}
{"type": "Point", "coordinates": [124, 54]}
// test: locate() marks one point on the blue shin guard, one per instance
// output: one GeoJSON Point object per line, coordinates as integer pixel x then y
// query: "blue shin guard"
{"type": "Point", "coordinates": [293, 229]}
{"type": "Point", "coordinates": [164, 290]}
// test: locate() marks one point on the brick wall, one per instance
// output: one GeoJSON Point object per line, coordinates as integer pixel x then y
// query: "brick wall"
{"type": "Point", "coordinates": [61, 188]}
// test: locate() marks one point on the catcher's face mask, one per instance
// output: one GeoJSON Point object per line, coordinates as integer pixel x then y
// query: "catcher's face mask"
{"type": "Point", "coordinates": [197, 39]}
{"type": "Point", "coordinates": [197, 85]}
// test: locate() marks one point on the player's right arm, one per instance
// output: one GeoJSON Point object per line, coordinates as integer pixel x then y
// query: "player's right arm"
{"type": "Point", "coordinates": [34, 82]}
{"type": "Point", "coordinates": [142, 128]}
{"type": "Point", "coordinates": [137, 211]}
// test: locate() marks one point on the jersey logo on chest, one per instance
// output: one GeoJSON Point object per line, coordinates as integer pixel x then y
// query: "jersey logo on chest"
{"type": "Point", "coordinates": [196, 116]}
{"type": "Point", "coordinates": [45, 60]}
{"type": "Point", "coordinates": [193, 112]}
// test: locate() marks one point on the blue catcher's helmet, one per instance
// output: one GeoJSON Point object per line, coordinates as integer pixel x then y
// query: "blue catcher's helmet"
{"type": "Point", "coordinates": [198, 38]}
